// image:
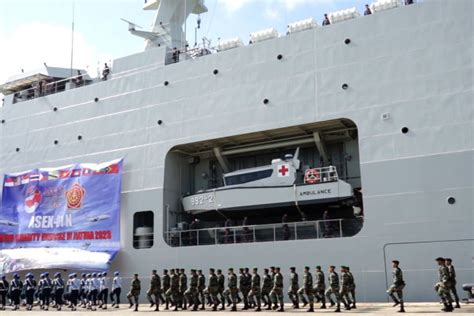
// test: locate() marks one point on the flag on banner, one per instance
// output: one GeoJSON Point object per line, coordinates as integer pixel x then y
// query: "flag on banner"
{"type": "Point", "coordinates": [10, 182]}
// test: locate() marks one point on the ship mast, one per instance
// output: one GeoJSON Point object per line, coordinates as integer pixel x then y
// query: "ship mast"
{"type": "Point", "coordinates": [168, 29]}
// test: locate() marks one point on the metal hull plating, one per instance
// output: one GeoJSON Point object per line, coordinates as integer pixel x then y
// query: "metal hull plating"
{"type": "Point", "coordinates": [412, 63]}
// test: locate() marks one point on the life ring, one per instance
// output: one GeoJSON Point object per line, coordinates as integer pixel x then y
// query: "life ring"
{"type": "Point", "coordinates": [312, 176]}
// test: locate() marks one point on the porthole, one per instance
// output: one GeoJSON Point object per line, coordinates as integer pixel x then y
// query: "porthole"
{"type": "Point", "coordinates": [405, 130]}
{"type": "Point", "coordinates": [451, 200]}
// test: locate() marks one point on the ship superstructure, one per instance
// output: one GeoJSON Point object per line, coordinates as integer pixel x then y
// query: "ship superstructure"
{"type": "Point", "coordinates": [386, 99]}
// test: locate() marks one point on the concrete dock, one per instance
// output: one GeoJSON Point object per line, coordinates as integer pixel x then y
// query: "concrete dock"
{"type": "Point", "coordinates": [362, 308]}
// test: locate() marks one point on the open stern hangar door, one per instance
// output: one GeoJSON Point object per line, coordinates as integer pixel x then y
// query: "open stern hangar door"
{"type": "Point", "coordinates": [260, 163]}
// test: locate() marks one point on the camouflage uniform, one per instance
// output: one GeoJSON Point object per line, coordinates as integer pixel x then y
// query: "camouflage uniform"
{"type": "Point", "coordinates": [135, 288]}
{"type": "Point", "coordinates": [444, 285]}
{"type": "Point", "coordinates": [166, 280]}
{"type": "Point", "coordinates": [183, 286]}
{"type": "Point", "coordinates": [307, 289]}
{"type": "Point", "coordinates": [352, 288]}
{"type": "Point", "coordinates": [244, 287]}
{"type": "Point", "coordinates": [191, 294]}
{"type": "Point", "coordinates": [397, 286]}
{"type": "Point", "coordinates": [173, 292]}
{"type": "Point", "coordinates": [277, 291]}
{"type": "Point", "coordinates": [154, 290]}
{"type": "Point", "coordinates": [201, 288]}
{"type": "Point", "coordinates": [232, 290]}
{"type": "Point", "coordinates": [221, 288]}
{"type": "Point", "coordinates": [293, 290]}
{"type": "Point", "coordinates": [267, 286]}
{"type": "Point", "coordinates": [452, 279]}
{"type": "Point", "coordinates": [345, 288]}
{"type": "Point", "coordinates": [213, 289]}
{"type": "Point", "coordinates": [255, 290]}
{"type": "Point", "coordinates": [333, 289]}
{"type": "Point", "coordinates": [320, 287]}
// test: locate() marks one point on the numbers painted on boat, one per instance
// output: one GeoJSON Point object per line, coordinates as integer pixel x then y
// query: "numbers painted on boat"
{"type": "Point", "coordinates": [201, 199]}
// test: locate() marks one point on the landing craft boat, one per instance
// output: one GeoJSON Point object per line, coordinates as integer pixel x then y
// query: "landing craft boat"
{"type": "Point", "coordinates": [273, 186]}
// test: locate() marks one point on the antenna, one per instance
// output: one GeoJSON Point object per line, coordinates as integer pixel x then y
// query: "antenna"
{"type": "Point", "coordinates": [72, 34]}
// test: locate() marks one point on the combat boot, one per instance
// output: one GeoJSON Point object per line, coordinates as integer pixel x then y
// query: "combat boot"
{"type": "Point", "coordinates": [457, 304]}
{"type": "Point", "coordinates": [258, 309]}
{"type": "Point", "coordinates": [323, 306]}
{"type": "Point", "coordinates": [281, 308]}
{"type": "Point", "coordinates": [311, 308]}
{"type": "Point", "coordinates": [353, 305]}
{"type": "Point", "coordinates": [402, 308]}
{"type": "Point", "coordinates": [234, 308]}
{"type": "Point", "coordinates": [136, 308]}
{"type": "Point", "coordinates": [338, 309]}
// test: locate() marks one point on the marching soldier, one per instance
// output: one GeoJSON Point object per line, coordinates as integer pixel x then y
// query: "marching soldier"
{"type": "Point", "coordinates": [352, 287]}
{"type": "Point", "coordinates": [183, 286]}
{"type": "Point", "coordinates": [83, 290]}
{"type": "Point", "coordinates": [232, 290]}
{"type": "Point", "coordinates": [201, 288]}
{"type": "Point", "coordinates": [103, 290]}
{"type": "Point", "coordinates": [244, 286]}
{"type": "Point", "coordinates": [277, 291]}
{"type": "Point", "coordinates": [116, 290]}
{"type": "Point", "coordinates": [4, 285]}
{"type": "Point", "coordinates": [94, 286]}
{"type": "Point", "coordinates": [135, 288]}
{"type": "Point", "coordinates": [30, 285]}
{"type": "Point", "coordinates": [444, 285]}
{"type": "Point", "coordinates": [221, 288]}
{"type": "Point", "coordinates": [397, 286]}
{"type": "Point", "coordinates": [213, 288]}
{"type": "Point", "coordinates": [58, 288]}
{"type": "Point", "coordinates": [191, 294]}
{"type": "Point", "coordinates": [452, 276]}
{"type": "Point", "coordinates": [255, 289]}
{"type": "Point", "coordinates": [320, 287]}
{"type": "Point", "coordinates": [307, 289]}
{"type": "Point", "coordinates": [173, 292]}
{"type": "Point", "coordinates": [166, 286]}
{"type": "Point", "coordinates": [333, 288]}
{"type": "Point", "coordinates": [74, 284]}
{"type": "Point", "coordinates": [345, 288]}
{"type": "Point", "coordinates": [153, 293]}
{"type": "Point", "coordinates": [293, 290]}
{"type": "Point", "coordinates": [16, 287]}
{"type": "Point", "coordinates": [267, 286]}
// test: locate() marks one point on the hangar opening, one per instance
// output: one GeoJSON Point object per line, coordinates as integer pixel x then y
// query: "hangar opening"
{"type": "Point", "coordinates": [297, 182]}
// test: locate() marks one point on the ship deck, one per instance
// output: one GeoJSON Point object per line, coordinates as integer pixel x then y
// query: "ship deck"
{"type": "Point", "coordinates": [363, 308]}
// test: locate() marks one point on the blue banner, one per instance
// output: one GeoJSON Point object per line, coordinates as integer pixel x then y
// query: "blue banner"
{"type": "Point", "coordinates": [49, 215]}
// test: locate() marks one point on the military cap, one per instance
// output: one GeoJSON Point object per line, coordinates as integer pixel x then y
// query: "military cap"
{"type": "Point", "coordinates": [42, 275]}
{"type": "Point", "coordinates": [16, 276]}
{"type": "Point", "coordinates": [153, 271]}
{"type": "Point", "coordinates": [28, 275]}
{"type": "Point", "coordinates": [104, 273]}
{"type": "Point", "coordinates": [165, 271]}
{"type": "Point", "coordinates": [307, 268]}
{"type": "Point", "coordinates": [396, 261]}
{"type": "Point", "coordinates": [231, 269]}
{"type": "Point", "coordinates": [88, 275]}
{"type": "Point", "coordinates": [318, 267]}
{"type": "Point", "coordinates": [99, 274]}
{"type": "Point", "coordinates": [135, 274]}
{"type": "Point", "coordinates": [46, 273]}
{"type": "Point", "coordinates": [211, 270]}
{"type": "Point", "coordinates": [171, 270]}
{"type": "Point", "coordinates": [449, 259]}
{"type": "Point", "coordinates": [241, 269]}
{"type": "Point", "coordinates": [292, 268]}
{"type": "Point", "coordinates": [333, 267]}
{"type": "Point", "coordinates": [347, 268]}
{"type": "Point", "coordinates": [71, 275]}
{"type": "Point", "coordinates": [440, 259]}
{"type": "Point", "coordinates": [57, 274]}
{"type": "Point", "coordinates": [83, 274]}
{"type": "Point", "coordinates": [272, 268]}
{"type": "Point", "coordinates": [255, 269]}
{"type": "Point", "coordinates": [193, 270]}
{"type": "Point", "coordinates": [277, 268]}
{"type": "Point", "coordinates": [94, 274]}
{"type": "Point", "coordinates": [246, 269]}
{"type": "Point", "coordinates": [200, 271]}
{"type": "Point", "coordinates": [116, 273]}
{"type": "Point", "coordinates": [219, 270]}
{"type": "Point", "coordinates": [265, 270]}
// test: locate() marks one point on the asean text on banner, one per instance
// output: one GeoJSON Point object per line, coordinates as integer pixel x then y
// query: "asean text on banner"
{"type": "Point", "coordinates": [67, 217]}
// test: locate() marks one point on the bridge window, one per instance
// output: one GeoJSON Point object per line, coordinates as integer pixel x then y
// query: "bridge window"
{"type": "Point", "coordinates": [248, 177]}
{"type": "Point", "coordinates": [143, 226]}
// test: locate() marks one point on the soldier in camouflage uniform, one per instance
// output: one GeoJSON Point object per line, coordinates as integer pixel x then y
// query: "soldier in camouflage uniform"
{"type": "Point", "coordinates": [307, 289]}
{"type": "Point", "coordinates": [221, 288]}
{"type": "Point", "coordinates": [452, 276]}
{"type": "Point", "coordinates": [345, 288]}
{"type": "Point", "coordinates": [183, 286]}
{"type": "Point", "coordinates": [444, 285]}
{"type": "Point", "coordinates": [293, 290]}
{"type": "Point", "coordinates": [154, 290]}
{"type": "Point", "coordinates": [173, 292]}
{"type": "Point", "coordinates": [255, 291]}
{"type": "Point", "coordinates": [213, 288]}
{"type": "Point", "coordinates": [267, 286]}
{"type": "Point", "coordinates": [320, 287]}
{"type": "Point", "coordinates": [201, 288]}
{"type": "Point", "coordinates": [397, 286]}
{"type": "Point", "coordinates": [135, 288]}
{"type": "Point", "coordinates": [232, 290]}
{"type": "Point", "coordinates": [277, 290]}
{"type": "Point", "coordinates": [244, 286]}
{"type": "Point", "coordinates": [191, 294]}
{"type": "Point", "coordinates": [333, 288]}
{"type": "Point", "coordinates": [352, 287]}
{"type": "Point", "coordinates": [166, 286]}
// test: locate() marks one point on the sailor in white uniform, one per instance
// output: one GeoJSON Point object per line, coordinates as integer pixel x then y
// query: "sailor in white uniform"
{"type": "Point", "coordinates": [116, 289]}
{"type": "Point", "coordinates": [103, 290]}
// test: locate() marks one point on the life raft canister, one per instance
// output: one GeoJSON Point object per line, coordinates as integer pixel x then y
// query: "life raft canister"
{"type": "Point", "coordinates": [312, 176]}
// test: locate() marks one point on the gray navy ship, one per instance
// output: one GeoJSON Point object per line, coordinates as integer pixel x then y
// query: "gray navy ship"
{"type": "Point", "coordinates": [344, 144]}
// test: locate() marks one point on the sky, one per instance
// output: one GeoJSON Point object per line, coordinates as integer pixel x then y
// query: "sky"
{"type": "Point", "coordinates": [36, 31]}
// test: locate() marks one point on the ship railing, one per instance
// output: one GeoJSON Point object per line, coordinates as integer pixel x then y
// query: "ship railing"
{"type": "Point", "coordinates": [323, 174]}
{"type": "Point", "coordinates": [43, 89]}
{"type": "Point", "coordinates": [332, 228]}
